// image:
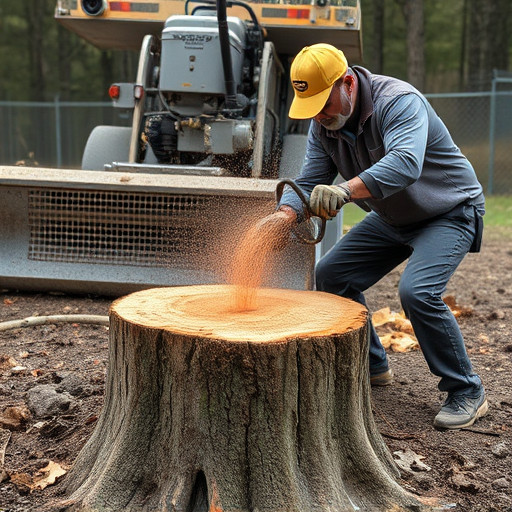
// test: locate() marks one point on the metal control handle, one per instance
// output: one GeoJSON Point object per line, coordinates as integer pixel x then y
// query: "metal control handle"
{"type": "Point", "coordinates": [306, 236]}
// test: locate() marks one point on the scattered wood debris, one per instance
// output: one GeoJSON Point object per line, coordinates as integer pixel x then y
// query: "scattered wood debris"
{"type": "Point", "coordinates": [395, 330]}
{"type": "Point", "coordinates": [457, 309]}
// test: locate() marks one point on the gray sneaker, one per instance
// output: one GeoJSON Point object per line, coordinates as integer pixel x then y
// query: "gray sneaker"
{"type": "Point", "coordinates": [459, 411]}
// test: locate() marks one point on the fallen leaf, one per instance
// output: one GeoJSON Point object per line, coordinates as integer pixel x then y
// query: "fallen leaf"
{"type": "Point", "coordinates": [410, 461]}
{"type": "Point", "coordinates": [37, 373]}
{"type": "Point", "coordinates": [14, 417]}
{"type": "Point", "coordinates": [8, 302]}
{"type": "Point", "coordinates": [23, 481]}
{"type": "Point", "coordinates": [7, 362]}
{"type": "Point", "coordinates": [464, 481]}
{"type": "Point", "coordinates": [42, 479]}
{"type": "Point", "coordinates": [49, 475]}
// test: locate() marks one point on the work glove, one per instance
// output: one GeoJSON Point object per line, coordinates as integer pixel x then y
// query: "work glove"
{"type": "Point", "coordinates": [327, 200]}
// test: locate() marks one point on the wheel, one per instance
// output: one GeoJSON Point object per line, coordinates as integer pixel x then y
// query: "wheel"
{"type": "Point", "coordinates": [106, 144]}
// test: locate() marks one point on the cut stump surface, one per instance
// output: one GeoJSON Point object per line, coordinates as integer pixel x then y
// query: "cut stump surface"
{"type": "Point", "coordinates": [212, 409]}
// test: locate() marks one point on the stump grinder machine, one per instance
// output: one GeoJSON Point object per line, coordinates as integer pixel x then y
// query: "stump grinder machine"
{"type": "Point", "coordinates": [156, 202]}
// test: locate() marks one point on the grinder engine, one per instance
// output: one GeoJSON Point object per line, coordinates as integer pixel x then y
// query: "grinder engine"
{"type": "Point", "coordinates": [204, 111]}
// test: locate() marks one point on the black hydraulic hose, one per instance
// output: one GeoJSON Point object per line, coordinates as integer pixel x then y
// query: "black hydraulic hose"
{"type": "Point", "coordinates": [302, 237]}
{"type": "Point", "coordinates": [225, 50]}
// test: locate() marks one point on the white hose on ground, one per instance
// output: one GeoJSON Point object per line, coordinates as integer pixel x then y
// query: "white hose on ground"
{"type": "Point", "coordinates": [54, 319]}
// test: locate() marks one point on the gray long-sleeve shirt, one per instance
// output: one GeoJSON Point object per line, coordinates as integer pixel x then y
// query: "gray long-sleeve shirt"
{"type": "Point", "coordinates": [402, 152]}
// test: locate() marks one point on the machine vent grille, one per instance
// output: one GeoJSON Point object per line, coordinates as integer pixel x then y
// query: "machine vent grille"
{"type": "Point", "coordinates": [117, 227]}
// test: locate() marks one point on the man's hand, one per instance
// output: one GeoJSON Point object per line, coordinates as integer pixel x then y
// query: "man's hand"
{"type": "Point", "coordinates": [327, 200]}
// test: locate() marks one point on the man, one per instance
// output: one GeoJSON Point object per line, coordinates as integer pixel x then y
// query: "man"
{"type": "Point", "coordinates": [400, 163]}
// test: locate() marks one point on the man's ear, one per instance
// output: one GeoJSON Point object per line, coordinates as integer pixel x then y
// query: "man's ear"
{"type": "Point", "coordinates": [349, 81]}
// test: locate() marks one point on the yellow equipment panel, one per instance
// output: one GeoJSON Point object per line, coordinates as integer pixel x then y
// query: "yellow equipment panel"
{"type": "Point", "coordinates": [290, 25]}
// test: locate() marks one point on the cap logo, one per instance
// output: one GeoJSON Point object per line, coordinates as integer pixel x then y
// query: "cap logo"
{"type": "Point", "coordinates": [300, 85]}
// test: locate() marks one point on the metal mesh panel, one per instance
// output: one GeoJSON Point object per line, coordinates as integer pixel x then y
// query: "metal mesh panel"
{"type": "Point", "coordinates": [116, 227]}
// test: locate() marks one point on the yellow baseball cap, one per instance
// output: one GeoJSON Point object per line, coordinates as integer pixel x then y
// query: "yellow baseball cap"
{"type": "Point", "coordinates": [313, 73]}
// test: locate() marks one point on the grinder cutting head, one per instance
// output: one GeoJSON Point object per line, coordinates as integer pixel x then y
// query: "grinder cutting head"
{"type": "Point", "coordinates": [312, 229]}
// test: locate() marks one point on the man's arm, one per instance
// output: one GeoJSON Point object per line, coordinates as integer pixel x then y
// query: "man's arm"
{"type": "Point", "coordinates": [404, 128]}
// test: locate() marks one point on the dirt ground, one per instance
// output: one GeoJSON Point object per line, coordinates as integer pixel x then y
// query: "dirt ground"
{"type": "Point", "coordinates": [468, 470]}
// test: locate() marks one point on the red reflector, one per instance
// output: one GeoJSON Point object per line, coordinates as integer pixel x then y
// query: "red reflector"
{"type": "Point", "coordinates": [114, 92]}
{"type": "Point", "coordinates": [121, 6]}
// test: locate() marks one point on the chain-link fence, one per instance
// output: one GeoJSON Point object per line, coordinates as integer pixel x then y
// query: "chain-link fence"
{"type": "Point", "coordinates": [481, 125]}
{"type": "Point", "coordinates": [54, 134]}
{"type": "Point", "coordinates": [51, 134]}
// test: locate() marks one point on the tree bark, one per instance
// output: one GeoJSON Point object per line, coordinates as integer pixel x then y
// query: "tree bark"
{"type": "Point", "coordinates": [488, 45]}
{"type": "Point", "coordinates": [212, 409]}
{"type": "Point", "coordinates": [413, 11]}
{"type": "Point", "coordinates": [378, 37]}
{"type": "Point", "coordinates": [35, 14]}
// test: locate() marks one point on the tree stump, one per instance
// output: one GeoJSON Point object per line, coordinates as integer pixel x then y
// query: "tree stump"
{"type": "Point", "coordinates": [212, 409]}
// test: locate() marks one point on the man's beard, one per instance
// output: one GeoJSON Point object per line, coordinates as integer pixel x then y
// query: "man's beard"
{"type": "Point", "coordinates": [334, 123]}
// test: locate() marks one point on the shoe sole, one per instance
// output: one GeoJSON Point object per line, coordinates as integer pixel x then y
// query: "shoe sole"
{"type": "Point", "coordinates": [384, 382]}
{"type": "Point", "coordinates": [382, 379]}
{"type": "Point", "coordinates": [481, 411]}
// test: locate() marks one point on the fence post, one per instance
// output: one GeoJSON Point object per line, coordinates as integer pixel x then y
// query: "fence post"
{"type": "Point", "coordinates": [58, 132]}
{"type": "Point", "coordinates": [492, 134]}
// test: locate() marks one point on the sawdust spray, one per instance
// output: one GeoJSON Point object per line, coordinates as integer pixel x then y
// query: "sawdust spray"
{"type": "Point", "coordinates": [254, 260]}
{"type": "Point", "coordinates": [226, 245]}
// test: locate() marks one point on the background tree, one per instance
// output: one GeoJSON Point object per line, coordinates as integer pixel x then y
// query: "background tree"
{"type": "Point", "coordinates": [415, 41]}
{"type": "Point", "coordinates": [35, 14]}
{"type": "Point", "coordinates": [40, 59]}
{"type": "Point", "coordinates": [438, 46]}
{"type": "Point", "coordinates": [377, 49]}
{"type": "Point", "coordinates": [488, 36]}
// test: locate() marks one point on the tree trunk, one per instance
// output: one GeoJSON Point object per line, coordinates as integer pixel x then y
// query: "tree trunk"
{"type": "Point", "coordinates": [212, 409]}
{"type": "Point", "coordinates": [35, 14]}
{"type": "Point", "coordinates": [378, 37]}
{"type": "Point", "coordinates": [414, 18]}
{"type": "Point", "coordinates": [488, 45]}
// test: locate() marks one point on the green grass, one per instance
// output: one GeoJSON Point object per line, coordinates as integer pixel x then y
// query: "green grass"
{"type": "Point", "coordinates": [498, 213]}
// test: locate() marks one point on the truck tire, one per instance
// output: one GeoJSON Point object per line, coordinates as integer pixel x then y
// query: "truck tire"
{"type": "Point", "coordinates": [106, 144]}
{"type": "Point", "coordinates": [292, 155]}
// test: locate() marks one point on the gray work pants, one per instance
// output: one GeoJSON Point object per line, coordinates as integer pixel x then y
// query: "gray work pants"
{"type": "Point", "coordinates": [434, 249]}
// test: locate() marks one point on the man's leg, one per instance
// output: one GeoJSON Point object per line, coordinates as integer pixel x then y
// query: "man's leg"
{"type": "Point", "coordinates": [438, 249]}
{"type": "Point", "coordinates": [361, 258]}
